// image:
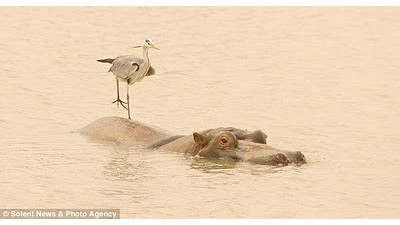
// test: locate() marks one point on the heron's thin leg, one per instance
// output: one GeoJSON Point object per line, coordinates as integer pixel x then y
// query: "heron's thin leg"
{"type": "Point", "coordinates": [118, 99]}
{"type": "Point", "coordinates": [127, 99]}
{"type": "Point", "coordinates": [117, 91]}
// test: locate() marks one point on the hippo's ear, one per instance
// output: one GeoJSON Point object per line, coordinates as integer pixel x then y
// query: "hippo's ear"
{"type": "Point", "coordinates": [260, 137]}
{"type": "Point", "coordinates": [199, 139]}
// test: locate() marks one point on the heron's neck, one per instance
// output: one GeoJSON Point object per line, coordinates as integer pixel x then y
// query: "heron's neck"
{"type": "Point", "coordinates": [146, 57]}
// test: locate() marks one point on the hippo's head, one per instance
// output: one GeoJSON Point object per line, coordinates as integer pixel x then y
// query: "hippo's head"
{"type": "Point", "coordinates": [220, 145]}
{"type": "Point", "coordinates": [225, 144]}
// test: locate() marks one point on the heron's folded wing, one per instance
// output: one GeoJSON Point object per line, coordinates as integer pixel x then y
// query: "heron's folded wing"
{"type": "Point", "coordinates": [125, 66]}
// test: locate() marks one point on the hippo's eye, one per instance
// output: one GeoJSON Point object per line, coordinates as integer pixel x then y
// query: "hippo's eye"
{"type": "Point", "coordinates": [223, 140]}
{"type": "Point", "coordinates": [226, 140]}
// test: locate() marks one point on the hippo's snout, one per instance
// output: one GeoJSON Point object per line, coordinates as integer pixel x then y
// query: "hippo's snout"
{"type": "Point", "coordinates": [273, 160]}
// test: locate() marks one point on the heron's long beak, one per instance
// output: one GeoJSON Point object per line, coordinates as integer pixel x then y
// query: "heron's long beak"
{"type": "Point", "coordinates": [137, 46]}
{"type": "Point", "coordinates": [155, 46]}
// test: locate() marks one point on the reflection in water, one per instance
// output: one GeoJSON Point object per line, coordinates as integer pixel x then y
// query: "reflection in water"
{"type": "Point", "coordinates": [125, 165]}
{"type": "Point", "coordinates": [208, 165]}
{"type": "Point", "coordinates": [225, 166]}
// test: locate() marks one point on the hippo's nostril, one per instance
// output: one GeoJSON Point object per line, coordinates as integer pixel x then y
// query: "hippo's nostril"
{"type": "Point", "coordinates": [281, 157]}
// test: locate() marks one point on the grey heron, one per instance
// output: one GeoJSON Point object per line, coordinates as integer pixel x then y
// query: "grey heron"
{"type": "Point", "coordinates": [131, 69]}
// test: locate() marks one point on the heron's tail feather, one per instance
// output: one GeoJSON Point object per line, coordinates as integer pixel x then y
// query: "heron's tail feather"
{"type": "Point", "coordinates": [106, 60]}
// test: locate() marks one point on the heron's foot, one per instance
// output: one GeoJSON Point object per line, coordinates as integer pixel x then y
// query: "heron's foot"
{"type": "Point", "coordinates": [119, 101]}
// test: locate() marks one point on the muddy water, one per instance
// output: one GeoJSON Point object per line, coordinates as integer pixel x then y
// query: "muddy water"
{"type": "Point", "coordinates": [324, 81]}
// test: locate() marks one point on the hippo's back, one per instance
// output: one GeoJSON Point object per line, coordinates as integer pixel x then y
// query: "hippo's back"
{"type": "Point", "coordinates": [124, 131]}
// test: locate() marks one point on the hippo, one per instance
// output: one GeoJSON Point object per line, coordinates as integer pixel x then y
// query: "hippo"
{"type": "Point", "coordinates": [226, 143]}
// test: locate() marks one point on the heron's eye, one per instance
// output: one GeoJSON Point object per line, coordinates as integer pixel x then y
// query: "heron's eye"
{"type": "Point", "coordinates": [148, 41]}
